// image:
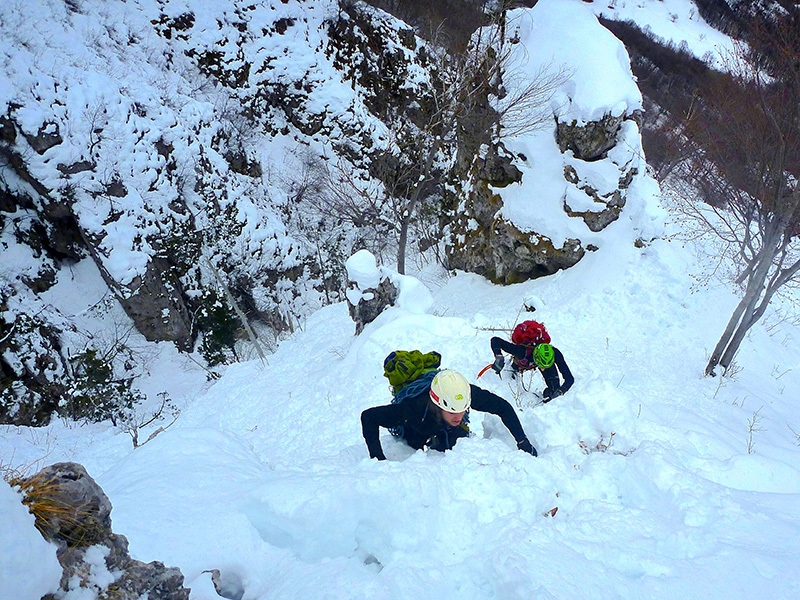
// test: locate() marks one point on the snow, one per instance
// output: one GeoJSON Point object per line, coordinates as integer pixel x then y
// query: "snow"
{"type": "Point", "coordinates": [28, 567]}
{"type": "Point", "coordinates": [557, 34]}
{"type": "Point", "coordinates": [362, 270]}
{"type": "Point", "coordinates": [675, 21]}
{"type": "Point", "coordinates": [668, 484]}
{"type": "Point", "coordinates": [98, 577]}
{"type": "Point", "coordinates": [364, 274]}
{"type": "Point", "coordinates": [275, 490]}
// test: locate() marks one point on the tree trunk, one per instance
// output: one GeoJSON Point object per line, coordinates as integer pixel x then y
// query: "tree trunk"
{"type": "Point", "coordinates": [735, 340]}
{"type": "Point", "coordinates": [401, 246]}
{"type": "Point", "coordinates": [411, 205]}
{"type": "Point", "coordinates": [751, 317]}
{"type": "Point", "coordinates": [239, 313]}
{"type": "Point", "coordinates": [740, 320]}
{"type": "Point", "coordinates": [719, 349]}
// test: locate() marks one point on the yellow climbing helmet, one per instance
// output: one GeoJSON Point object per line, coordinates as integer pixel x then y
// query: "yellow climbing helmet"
{"type": "Point", "coordinates": [450, 391]}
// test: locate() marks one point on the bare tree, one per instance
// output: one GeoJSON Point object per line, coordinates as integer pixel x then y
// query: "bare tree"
{"type": "Point", "coordinates": [746, 129]}
{"type": "Point", "coordinates": [323, 195]}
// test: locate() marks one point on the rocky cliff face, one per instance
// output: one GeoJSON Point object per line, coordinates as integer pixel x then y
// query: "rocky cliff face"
{"type": "Point", "coordinates": [483, 243]}
{"type": "Point", "coordinates": [165, 151]}
{"type": "Point", "coordinates": [576, 130]}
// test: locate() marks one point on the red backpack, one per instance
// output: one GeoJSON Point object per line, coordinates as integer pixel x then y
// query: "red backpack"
{"type": "Point", "coordinates": [530, 333]}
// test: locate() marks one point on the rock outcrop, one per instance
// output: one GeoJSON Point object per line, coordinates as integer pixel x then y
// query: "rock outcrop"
{"type": "Point", "coordinates": [483, 242]}
{"type": "Point", "coordinates": [369, 289]}
{"type": "Point", "coordinates": [73, 512]}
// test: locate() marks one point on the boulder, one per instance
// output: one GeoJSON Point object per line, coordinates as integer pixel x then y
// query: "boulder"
{"type": "Point", "coordinates": [372, 302]}
{"type": "Point", "coordinates": [72, 511]}
{"type": "Point", "coordinates": [369, 289]}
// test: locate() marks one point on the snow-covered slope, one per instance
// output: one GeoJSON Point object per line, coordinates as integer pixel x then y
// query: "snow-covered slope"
{"type": "Point", "coordinates": [668, 484]}
{"type": "Point", "coordinates": [266, 477]}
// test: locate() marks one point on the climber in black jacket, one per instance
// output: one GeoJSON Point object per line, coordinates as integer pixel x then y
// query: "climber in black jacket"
{"type": "Point", "coordinates": [434, 418]}
{"type": "Point", "coordinates": [546, 358]}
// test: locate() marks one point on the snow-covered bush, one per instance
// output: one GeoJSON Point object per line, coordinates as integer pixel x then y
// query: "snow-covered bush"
{"type": "Point", "coordinates": [32, 369]}
{"type": "Point", "coordinates": [96, 392]}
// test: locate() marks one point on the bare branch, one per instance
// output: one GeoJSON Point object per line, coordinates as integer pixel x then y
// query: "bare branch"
{"type": "Point", "coordinates": [746, 136]}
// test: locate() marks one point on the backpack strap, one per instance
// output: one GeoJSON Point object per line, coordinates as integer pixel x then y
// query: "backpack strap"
{"type": "Point", "coordinates": [416, 387]}
{"type": "Point", "coordinates": [525, 364]}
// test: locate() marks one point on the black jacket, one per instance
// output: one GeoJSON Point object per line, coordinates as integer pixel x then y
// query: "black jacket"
{"type": "Point", "coordinates": [523, 356]}
{"type": "Point", "coordinates": [420, 426]}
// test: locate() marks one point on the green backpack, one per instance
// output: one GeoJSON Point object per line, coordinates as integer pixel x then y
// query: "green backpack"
{"type": "Point", "coordinates": [402, 367]}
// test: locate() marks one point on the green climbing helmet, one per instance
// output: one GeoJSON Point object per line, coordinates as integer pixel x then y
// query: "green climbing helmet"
{"type": "Point", "coordinates": [544, 356]}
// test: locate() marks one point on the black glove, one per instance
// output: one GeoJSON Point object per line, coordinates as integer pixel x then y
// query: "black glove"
{"type": "Point", "coordinates": [499, 363]}
{"type": "Point", "coordinates": [550, 393]}
{"type": "Point", "coordinates": [525, 446]}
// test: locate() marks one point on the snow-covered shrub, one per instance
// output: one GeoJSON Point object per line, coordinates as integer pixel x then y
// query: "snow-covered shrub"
{"type": "Point", "coordinates": [40, 376]}
{"type": "Point", "coordinates": [220, 326]}
{"type": "Point", "coordinates": [97, 392]}
{"type": "Point", "coordinates": [32, 368]}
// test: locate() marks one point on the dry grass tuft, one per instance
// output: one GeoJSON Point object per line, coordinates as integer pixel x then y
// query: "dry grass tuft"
{"type": "Point", "coordinates": [55, 519]}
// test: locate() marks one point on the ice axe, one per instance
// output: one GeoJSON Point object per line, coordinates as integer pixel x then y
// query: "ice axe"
{"type": "Point", "coordinates": [484, 369]}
